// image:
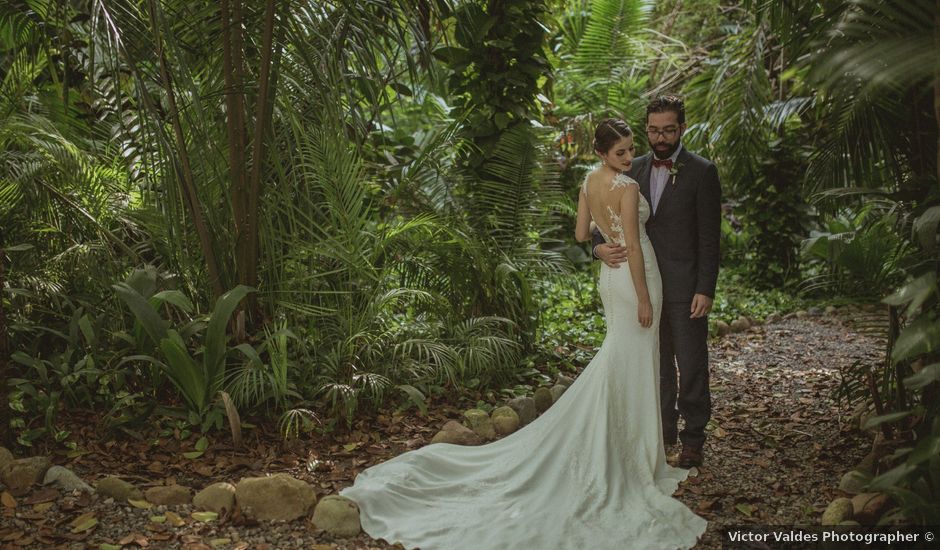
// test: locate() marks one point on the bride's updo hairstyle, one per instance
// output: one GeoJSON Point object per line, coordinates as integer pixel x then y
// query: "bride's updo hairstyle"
{"type": "Point", "coordinates": [609, 132]}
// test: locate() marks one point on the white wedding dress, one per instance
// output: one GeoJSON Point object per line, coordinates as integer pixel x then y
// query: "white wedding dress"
{"type": "Point", "coordinates": [588, 473]}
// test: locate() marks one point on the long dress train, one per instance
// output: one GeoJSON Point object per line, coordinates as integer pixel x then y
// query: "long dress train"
{"type": "Point", "coordinates": [588, 473]}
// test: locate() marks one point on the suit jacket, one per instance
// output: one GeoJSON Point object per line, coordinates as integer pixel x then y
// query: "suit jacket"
{"type": "Point", "coordinates": [686, 228]}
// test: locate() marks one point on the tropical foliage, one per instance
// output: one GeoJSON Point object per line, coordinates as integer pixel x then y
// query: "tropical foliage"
{"type": "Point", "coordinates": [303, 209]}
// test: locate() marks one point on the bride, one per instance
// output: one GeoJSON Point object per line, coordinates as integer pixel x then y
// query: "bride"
{"type": "Point", "coordinates": [591, 471]}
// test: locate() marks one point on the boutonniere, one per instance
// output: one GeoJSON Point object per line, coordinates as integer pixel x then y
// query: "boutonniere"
{"type": "Point", "coordinates": [674, 171]}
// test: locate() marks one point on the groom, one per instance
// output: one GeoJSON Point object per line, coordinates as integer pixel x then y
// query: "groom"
{"type": "Point", "coordinates": [683, 191]}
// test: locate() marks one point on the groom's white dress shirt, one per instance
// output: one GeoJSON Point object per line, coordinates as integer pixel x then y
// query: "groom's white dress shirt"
{"type": "Point", "coordinates": [659, 177]}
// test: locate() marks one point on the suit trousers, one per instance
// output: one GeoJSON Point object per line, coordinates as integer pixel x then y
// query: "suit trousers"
{"type": "Point", "coordinates": [683, 349]}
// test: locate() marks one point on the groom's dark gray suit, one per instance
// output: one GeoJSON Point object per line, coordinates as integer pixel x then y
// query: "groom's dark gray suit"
{"type": "Point", "coordinates": [685, 230]}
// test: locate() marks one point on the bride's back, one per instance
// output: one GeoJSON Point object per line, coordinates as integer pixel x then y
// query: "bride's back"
{"type": "Point", "coordinates": [604, 194]}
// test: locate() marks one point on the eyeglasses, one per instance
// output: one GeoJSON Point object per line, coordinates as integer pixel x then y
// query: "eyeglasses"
{"type": "Point", "coordinates": [667, 133]}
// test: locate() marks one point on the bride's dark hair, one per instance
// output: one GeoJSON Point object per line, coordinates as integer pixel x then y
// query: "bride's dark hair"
{"type": "Point", "coordinates": [609, 132]}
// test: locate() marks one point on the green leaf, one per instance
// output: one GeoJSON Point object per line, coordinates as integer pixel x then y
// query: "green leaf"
{"type": "Point", "coordinates": [150, 320]}
{"type": "Point", "coordinates": [928, 374]}
{"type": "Point", "coordinates": [921, 336]}
{"type": "Point", "coordinates": [925, 228]}
{"type": "Point", "coordinates": [415, 396]}
{"type": "Point", "coordinates": [193, 454]}
{"type": "Point", "coordinates": [202, 444]}
{"type": "Point", "coordinates": [886, 418]}
{"type": "Point", "coordinates": [914, 293]}
{"type": "Point", "coordinates": [216, 340]}
{"type": "Point", "coordinates": [184, 372]}
{"type": "Point", "coordinates": [84, 324]}
{"type": "Point", "coordinates": [174, 297]}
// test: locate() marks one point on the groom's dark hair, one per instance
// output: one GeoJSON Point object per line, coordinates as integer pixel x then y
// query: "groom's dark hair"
{"type": "Point", "coordinates": [666, 103]}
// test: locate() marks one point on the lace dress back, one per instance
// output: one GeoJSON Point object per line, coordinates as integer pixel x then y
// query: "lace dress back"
{"type": "Point", "coordinates": [590, 472]}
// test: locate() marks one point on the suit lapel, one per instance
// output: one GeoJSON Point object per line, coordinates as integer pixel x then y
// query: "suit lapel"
{"type": "Point", "coordinates": [672, 182]}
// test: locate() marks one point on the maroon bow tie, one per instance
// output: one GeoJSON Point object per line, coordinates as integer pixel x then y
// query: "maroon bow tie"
{"type": "Point", "coordinates": [666, 163]}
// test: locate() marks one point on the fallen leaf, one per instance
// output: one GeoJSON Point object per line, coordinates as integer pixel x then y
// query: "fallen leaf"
{"type": "Point", "coordinates": [174, 519]}
{"type": "Point", "coordinates": [7, 499]}
{"type": "Point", "coordinates": [84, 522]}
{"type": "Point", "coordinates": [745, 509]}
{"type": "Point", "coordinates": [42, 506]}
{"type": "Point", "coordinates": [205, 516]}
{"type": "Point", "coordinates": [142, 504]}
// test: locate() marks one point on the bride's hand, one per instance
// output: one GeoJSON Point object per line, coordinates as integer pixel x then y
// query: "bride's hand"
{"type": "Point", "coordinates": [645, 314]}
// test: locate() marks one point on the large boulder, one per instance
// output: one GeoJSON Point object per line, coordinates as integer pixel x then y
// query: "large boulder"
{"type": "Point", "coordinates": [543, 399]}
{"type": "Point", "coordinates": [6, 457]}
{"type": "Point", "coordinates": [20, 474]}
{"type": "Point", "coordinates": [338, 516]}
{"type": "Point", "coordinates": [66, 480]}
{"type": "Point", "coordinates": [169, 495]}
{"type": "Point", "coordinates": [722, 328]}
{"type": "Point", "coordinates": [740, 324]}
{"type": "Point", "coordinates": [217, 498]}
{"type": "Point", "coordinates": [457, 434]}
{"type": "Point", "coordinates": [505, 420]}
{"type": "Point", "coordinates": [118, 489]}
{"type": "Point", "coordinates": [279, 497]}
{"type": "Point", "coordinates": [525, 408]}
{"type": "Point", "coordinates": [479, 422]}
{"type": "Point", "coordinates": [839, 510]}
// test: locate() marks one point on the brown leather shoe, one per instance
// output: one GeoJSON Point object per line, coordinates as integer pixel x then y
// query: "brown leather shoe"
{"type": "Point", "coordinates": [690, 456]}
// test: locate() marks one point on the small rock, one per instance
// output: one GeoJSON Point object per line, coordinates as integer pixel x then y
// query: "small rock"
{"type": "Point", "coordinates": [480, 422]}
{"type": "Point", "coordinates": [831, 310]}
{"type": "Point", "coordinates": [740, 324]}
{"type": "Point", "coordinates": [525, 408]}
{"type": "Point", "coordinates": [505, 420]}
{"type": "Point", "coordinates": [279, 497]}
{"type": "Point", "coordinates": [814, 311]}
{"type": "Point", "coordinates": [564, 380]}
{"type": "Point", "coordinates": [557, 390]}
{"type": "Point", "coordinates": [722, 328]}
{"type": "Point", "coordinates": [457, 434]}
{"type": "Point", "coordinates": [868, 507]}
{"type": "Point", "coordinates": [118, 489]}
{"type": "Point", "coordinates": [801, 314]}
{"type": "Point", "coordinates": [853, 482]}
{"type": "Point", "coordinates": [169, 495]}
{"type": "Point", "coordinates": [755, 322]}
{"type": "Point", "coordinates": [20, 474]}
{"type": "Point", "coordinates": [338, 516]}
{"type": "Point", "coordinates": [217, 498]}
{"type": "Point", "coordinates": [838, 511]}
{"type": "Point", "coordinates": [773, 318]}
{"type": "Point", "coordinates": [66, 479]}
{"type": "Point", "coordinates": [543, 399]}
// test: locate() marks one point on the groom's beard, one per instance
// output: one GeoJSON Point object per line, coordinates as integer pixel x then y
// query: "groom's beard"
{"type": "Point", "coordinates": [667, 149]}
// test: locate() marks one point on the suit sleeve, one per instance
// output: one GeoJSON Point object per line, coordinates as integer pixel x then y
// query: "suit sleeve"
{"type": "Point", "coordinates": [708, 210]}
{"type": "Point", "coordinates": [596, 239]}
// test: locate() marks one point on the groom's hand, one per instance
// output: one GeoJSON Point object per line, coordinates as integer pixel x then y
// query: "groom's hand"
{"type": "Point", "coordinates": [701, 305]}
{"type": "Point", "coordinates": [611, 254]}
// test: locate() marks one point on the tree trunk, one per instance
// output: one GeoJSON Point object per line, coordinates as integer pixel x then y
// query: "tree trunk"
{"type": "Point", "coordinates": [248, 246]}
{"type": "Point", "coordinates": [187, 183]}
{"type": "Point", "coordinates": [234, 120]}
{"type": "Point", "coordinates": [6, 437]}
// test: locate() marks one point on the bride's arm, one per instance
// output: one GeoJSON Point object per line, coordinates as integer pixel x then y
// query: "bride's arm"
{"type": "Point", "coordinates": [629, 211]}
{"type": "Point", "coordinates": [582, 230]}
